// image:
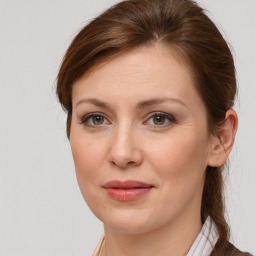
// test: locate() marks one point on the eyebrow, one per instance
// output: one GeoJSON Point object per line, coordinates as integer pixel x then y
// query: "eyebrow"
{"type": "Point", "coordinates": [142, 104]}
{"type": "Point", "coordinates": [156, 101]}
{"type": "Point", "coordinates": [94, 101]}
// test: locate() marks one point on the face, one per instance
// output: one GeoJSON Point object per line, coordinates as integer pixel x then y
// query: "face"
{"type": "Point", "coordinates": [139, 140]}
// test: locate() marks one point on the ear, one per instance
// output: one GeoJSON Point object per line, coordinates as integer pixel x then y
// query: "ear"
{"type": "Point", "coordinates": [222, 142]}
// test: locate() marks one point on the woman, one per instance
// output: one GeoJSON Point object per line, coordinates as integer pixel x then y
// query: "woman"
{"type": "Point", "coordinates": [149, 87]}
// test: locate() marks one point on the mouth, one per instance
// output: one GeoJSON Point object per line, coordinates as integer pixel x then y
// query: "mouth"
{"type": "Point", "coordinates": [127, 190]}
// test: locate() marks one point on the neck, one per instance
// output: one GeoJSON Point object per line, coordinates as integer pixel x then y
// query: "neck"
{"type": "Point", "coordinates": [181, 234]}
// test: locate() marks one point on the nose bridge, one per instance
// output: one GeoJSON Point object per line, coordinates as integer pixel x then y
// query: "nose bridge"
{"type": "Point", "coordinates": [124, 149]}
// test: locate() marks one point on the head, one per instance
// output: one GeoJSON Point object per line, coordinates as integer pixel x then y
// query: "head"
{"type": "Point", "coordinates": [184, 44]}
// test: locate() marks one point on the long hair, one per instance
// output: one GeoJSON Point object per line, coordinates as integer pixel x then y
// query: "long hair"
{"type": "Point", "coordinates": [182, 25]}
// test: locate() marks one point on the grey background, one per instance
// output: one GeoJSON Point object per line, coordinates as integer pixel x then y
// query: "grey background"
{"type": "Point", "coordinates": [41, 209]}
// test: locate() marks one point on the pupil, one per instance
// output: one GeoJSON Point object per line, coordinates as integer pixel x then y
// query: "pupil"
{"type": "Point", "coordinates": [159, 120]}
{"type": "Point", "coordinates": [98, 120]}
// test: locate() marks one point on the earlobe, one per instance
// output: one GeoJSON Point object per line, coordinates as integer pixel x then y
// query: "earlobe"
{"type": "Point", "coordinates": [223, 142]}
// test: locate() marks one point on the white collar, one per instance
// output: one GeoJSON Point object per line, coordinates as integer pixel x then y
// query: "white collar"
{"type": "Point", "coordinates": [206, 239]}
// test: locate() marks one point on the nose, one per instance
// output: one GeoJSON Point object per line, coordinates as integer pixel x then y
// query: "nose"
{"type": "Point", "coordinates": [124, 148]}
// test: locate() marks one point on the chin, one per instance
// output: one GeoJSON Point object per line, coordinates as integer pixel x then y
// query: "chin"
{"type": "Point", "coordinates": [130, 222]}
{"type": "Point", "coordinates": [128, 227]}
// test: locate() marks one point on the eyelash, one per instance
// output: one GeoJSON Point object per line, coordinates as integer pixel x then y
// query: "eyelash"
{"type": "Point", "coordinates": [169, 117]}
{"type": "Point", "coordinates": [85, 119]}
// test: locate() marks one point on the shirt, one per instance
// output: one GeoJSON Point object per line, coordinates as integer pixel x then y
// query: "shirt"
{"type": "Point", "coordinates": [202, 246]}
{"type": "Point", "coordinates": [206, 240]}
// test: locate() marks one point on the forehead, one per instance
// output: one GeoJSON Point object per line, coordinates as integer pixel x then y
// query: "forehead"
{"type": "Point", "coordinates": [142, 72]}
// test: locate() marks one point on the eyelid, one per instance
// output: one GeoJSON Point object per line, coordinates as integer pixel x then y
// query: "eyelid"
{"type": "Point", "coordinates": [170, 117]}
{"type": "Point", "coordinates": [86, 117]}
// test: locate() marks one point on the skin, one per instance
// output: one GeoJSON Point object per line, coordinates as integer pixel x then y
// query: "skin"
{"type": "Point", "coordinates": [127, 143]}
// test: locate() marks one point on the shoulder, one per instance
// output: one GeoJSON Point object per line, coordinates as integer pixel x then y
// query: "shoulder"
{"type": "Point", "coordinates": [227, 249]}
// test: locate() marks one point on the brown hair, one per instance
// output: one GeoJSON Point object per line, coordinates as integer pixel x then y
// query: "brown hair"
{"type": "Point", "coordinates": [182, 25]}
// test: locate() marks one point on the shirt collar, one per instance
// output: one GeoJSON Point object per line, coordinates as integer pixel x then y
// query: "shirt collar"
{"type": "Point", "coordinates": [206, 239]}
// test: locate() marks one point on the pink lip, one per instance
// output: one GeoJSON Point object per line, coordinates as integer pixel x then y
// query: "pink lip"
{"type": "Point", "coordinates": [127, 190]}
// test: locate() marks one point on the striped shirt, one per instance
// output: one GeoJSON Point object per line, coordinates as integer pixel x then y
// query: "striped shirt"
{"type": "Point", "coordinates": [202, 246]}
{"type": "Point", "coordinates": [206, 240]}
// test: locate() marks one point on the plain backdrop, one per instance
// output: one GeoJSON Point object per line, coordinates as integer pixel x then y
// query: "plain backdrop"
{"type": "Point", "coordinates": [42, 212]}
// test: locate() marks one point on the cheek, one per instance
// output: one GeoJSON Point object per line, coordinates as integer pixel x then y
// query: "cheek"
{"type": "Point", "coordinates": [181, 160]}
{"type": "Point", "coordinates": [180, 166]}
{"type": "Point", "coordinates": [88, 156]}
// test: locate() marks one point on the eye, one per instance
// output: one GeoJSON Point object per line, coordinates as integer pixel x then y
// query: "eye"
{"type": "Point", "coordinates": [94, 119]}
{"type": "Point", "coordinates": [160, 119]}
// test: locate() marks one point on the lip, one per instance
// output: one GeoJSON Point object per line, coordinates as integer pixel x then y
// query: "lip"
{"type": "Point", "coordinates": [127, 184]}
{"type": "Point", "coordinates": [127, 190]}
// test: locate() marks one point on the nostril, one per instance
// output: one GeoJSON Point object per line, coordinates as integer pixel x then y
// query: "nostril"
{"type": "Point", "coordinates": [125, 158]}
{"type": "Point", "coordinates": [123, 164]}
{"type": "Point", "coordinates": [130, 162]}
